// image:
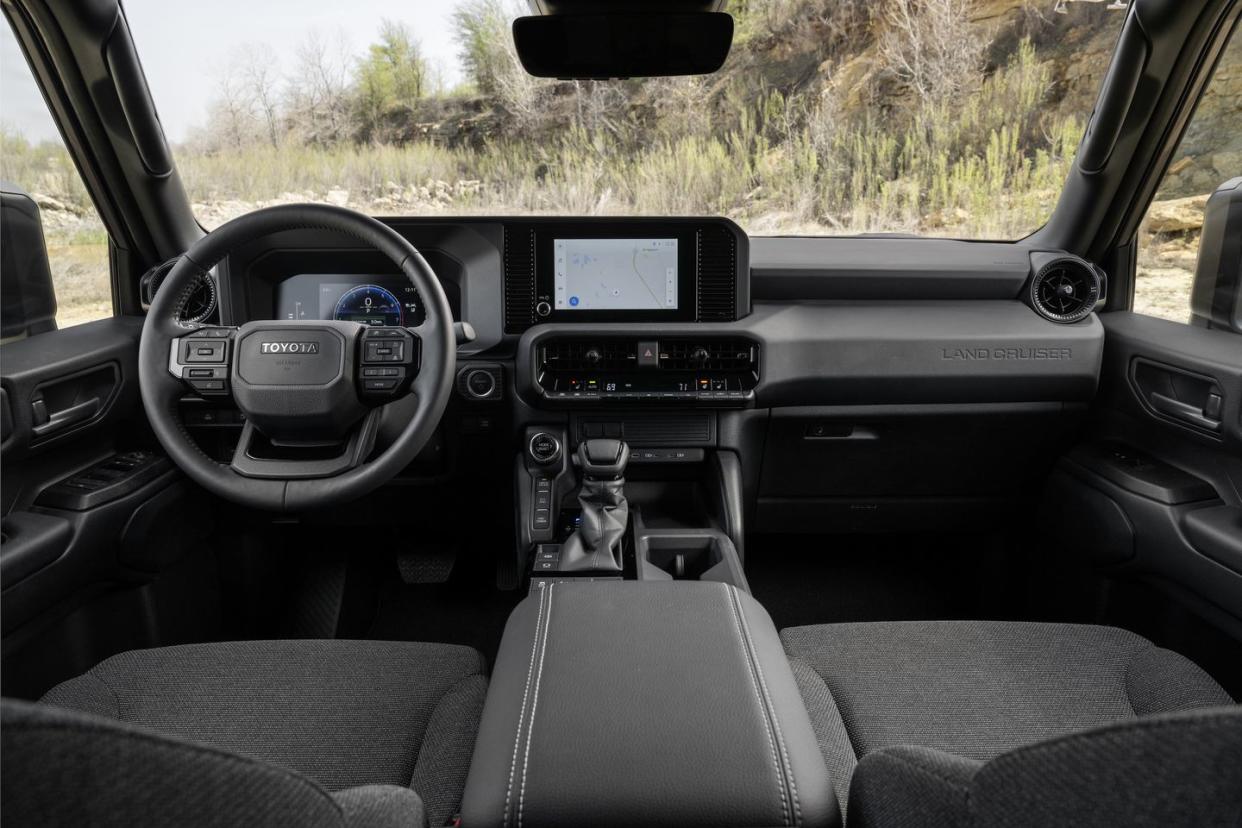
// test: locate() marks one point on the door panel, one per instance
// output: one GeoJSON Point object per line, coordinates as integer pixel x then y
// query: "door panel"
{"type": "Point", "coordinates": [1166, 455]}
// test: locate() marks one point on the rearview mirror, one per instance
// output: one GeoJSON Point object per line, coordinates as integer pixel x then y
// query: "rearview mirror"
{"type": "Point", "coordinates": [600, 46]}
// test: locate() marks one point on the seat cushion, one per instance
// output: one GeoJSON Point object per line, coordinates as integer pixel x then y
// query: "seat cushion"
{"type": "Point", "coordinates": [977, 689]}
{"type": "Point", "coordinates": [344, 713]}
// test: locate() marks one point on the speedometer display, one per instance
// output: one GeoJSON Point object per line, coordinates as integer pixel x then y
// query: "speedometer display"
{"type": "Point", "coordinates": [370, 305]}
{"type": "Point", "coordinates": [374, 299]}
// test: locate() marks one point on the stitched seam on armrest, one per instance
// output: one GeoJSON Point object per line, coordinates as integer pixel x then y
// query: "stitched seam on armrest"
{"type": "Point", "coordinates": [517, 738]}
{"type": "Point", "coordinates": [534, 703]}
{"type": "Point", "coordinates": [771, 708]}
{"type": "Point", "coordinates": [763, 712]}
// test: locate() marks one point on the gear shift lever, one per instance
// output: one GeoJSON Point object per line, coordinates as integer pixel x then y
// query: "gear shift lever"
{"type": "Point", "coordinates": [596, 545]}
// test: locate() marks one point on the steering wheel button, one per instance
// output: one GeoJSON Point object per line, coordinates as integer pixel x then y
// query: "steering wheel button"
{"type": "Point", "coordinates": [379, 384]}
{"type": "Point", "coordinates": [200, 351]}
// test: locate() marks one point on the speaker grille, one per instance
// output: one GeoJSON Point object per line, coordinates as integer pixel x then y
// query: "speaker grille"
{"type": "Point", "coordinates": [519, 278]}
{"type": "Point", "coordinates": [717, 274]}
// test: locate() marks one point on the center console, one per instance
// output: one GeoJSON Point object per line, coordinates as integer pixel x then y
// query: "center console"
{"type": "Point", "coordinates": [642, 703]}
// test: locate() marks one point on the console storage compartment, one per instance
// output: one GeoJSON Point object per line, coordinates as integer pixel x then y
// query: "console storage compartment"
{"type": "Point", "coordinates": [645, 703]}
{"type": "Point", "coordinates": [687, 555]}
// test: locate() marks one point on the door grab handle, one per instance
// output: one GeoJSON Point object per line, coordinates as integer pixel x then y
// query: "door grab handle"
{"type": "Point", "coordinates": [1185, 412]}
{"type": "Point", "coordinates": [67, 417]}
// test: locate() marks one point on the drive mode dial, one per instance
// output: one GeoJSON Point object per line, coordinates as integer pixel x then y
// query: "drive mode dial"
{"type": "Point", "coordinates": [544, 448]}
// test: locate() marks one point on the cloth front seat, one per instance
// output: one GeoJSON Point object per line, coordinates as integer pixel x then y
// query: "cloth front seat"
{"type": "Point", "coordinates": [342, 714]}
{"type": "Point", "coordinates": [970, 691]}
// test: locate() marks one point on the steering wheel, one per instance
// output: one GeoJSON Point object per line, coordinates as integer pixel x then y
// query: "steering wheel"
{"type": "Point", "coordinates": [311, 392]}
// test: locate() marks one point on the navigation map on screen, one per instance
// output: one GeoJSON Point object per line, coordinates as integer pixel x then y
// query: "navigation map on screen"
{"type": "Point", "coordinates": [615, 274]}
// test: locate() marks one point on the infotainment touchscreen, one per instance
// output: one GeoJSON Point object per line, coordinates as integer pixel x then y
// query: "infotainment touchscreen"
{"type": "Point", "coordinates": [615, 274]}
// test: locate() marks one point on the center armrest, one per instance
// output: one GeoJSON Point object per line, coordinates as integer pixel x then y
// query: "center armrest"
{"type": "Point", "coordinates": [643, 703]}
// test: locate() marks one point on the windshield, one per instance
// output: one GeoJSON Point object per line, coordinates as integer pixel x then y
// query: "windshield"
{"type": "Point", "coordinates": [934, 117]}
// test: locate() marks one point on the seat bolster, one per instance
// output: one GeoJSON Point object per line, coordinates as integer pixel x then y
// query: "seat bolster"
{"type": "Point", "coordinates": [444, 757]}
{"type": "Point", "coordinates": [830, 732]}
{"type": "Point", "coordinates": [893, 784]}
{"type": "Point", "coordinates": [87, 693]}
{"type": "Point", "coordinates": [381, 806]}
{"type": "Point", "coordinates": [1162, 681]}
{"type": "Point", "coordinates": [1175, 769]}
{"type": "Point", "coordinates": [62, 767]}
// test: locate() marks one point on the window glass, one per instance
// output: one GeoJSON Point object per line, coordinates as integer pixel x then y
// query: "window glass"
{"type": "Point", "coordinates": [1210, 154]}
{"type": "Point", "coordinates": [34, 159]}
{"type": "Point", "coordinates": [937, 117]}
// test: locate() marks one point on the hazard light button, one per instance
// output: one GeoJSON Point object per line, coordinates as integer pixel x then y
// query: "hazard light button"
{"type": "Point", "coordinates": [648, 354]}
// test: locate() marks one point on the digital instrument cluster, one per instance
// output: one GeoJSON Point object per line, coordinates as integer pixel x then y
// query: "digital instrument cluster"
{"type": "Point", "coordinates": [374, 300]}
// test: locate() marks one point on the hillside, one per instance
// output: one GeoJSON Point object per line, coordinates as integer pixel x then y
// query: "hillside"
{"type": "Point", "coordinates": [938, 117]}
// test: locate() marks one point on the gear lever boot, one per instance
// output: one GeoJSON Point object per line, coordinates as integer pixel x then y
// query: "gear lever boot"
{"type": "Point", "coordinates": [596, 545]}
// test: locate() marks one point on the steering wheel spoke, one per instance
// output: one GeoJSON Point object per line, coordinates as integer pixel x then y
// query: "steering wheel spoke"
{"type": "Point", "coordinates": [258, 456]}
{"type": "Point", "coordinates": [203, 359]}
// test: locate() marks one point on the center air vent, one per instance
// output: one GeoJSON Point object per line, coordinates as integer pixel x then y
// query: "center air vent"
{"type": "Point", "coordinates": [707, 355]}
{"type": "Point", "coordinates": [585, 355]}
{"type": "Point", "coordinates": [1065, 290]}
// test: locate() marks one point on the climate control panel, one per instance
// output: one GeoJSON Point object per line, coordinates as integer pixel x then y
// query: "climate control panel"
{"type": "Point", "coordinates": [718, 371]}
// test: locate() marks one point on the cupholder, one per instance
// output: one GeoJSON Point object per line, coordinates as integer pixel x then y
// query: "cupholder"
{"type": "Point", "coordinates": [688, 555]}
{"type": "Point", "coordinates": [685, 559]}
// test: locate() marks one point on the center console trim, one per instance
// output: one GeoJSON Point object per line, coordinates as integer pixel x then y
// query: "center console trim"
{"type": "Point", "coordinates": [581, 689]}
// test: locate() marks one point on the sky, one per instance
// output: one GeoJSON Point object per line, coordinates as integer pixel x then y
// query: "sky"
{"type": "Point", "coordinates": [184, 46]}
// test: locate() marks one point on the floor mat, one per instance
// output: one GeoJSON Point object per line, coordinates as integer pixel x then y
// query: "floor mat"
{"type": "Point", "coordinates": [821, 579]}
{"type": "Point", "coordinates": [465, 609]}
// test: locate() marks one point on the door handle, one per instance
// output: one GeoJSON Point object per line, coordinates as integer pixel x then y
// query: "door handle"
{"type": "Point", "coordinates": [1185, 412]}
{"type": "Point", "coordinates": [64, 418]}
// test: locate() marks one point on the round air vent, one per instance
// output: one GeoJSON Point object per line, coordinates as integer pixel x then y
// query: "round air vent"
{"type": "Point", "coordinates": [1065, 290]}
{"type": "Point", "coordinates": [198, 305]}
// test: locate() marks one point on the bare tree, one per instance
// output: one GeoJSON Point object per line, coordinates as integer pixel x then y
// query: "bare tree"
{"type": "Point", "coordinates": [319, 92]}
{"type": "Point", "coordinates": [929, 46]}
{"type": "Point", "coordinates": [232, 112]}
{"type": "Point", "coordinates": [261, 75]}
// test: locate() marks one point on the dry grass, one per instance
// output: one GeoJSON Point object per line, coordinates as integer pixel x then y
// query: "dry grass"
{"type": "Point", "coordinates": [989, 165]}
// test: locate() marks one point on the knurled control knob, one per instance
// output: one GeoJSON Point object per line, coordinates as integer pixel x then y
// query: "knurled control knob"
{"type": "Point", "coordinates": [480, 384]}
{"type": "Point", "coordinates": [544, 448]}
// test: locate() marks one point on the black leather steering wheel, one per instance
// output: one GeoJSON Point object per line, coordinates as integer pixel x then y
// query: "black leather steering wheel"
{"type": "Point", "coordinates": [311, 392]}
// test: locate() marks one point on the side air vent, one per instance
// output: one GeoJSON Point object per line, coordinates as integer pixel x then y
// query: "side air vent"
{"type": "Point", "coordinates": [199, 304]}
{"type": "Point", "coordinates": [1065, 290]}
{"type": "Point", "coordinates": [707, 355]}
{"type": "Point", "coordinates": [584, 355]}
{"type": "Point", "coordinates": [717, 274]}
{"type": "Point", "coordinates": [519, 278]}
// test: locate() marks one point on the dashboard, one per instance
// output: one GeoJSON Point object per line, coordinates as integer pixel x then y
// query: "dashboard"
{"type": "Point", "coordinates": [588, 313]}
